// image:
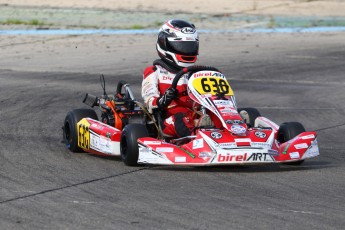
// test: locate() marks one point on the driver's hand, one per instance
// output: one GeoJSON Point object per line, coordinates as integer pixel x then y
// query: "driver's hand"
{"type": "Point", "coordinates": [169, 95]}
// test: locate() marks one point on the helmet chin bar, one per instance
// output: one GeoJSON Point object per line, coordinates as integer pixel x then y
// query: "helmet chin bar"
{"type": "Point", "coordinates": [179, 63]}
{"type": "Point", "coordinates": [186, 58]}
{"type": "Point", "coordinates": [168, 55]}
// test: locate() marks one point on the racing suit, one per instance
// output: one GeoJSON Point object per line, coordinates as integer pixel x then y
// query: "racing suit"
{"type": "Point", "coordinates": [178, 115]}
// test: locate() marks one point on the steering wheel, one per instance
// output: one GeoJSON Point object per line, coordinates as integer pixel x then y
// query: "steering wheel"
{"type": "Point", "coordinates": [191, 70]}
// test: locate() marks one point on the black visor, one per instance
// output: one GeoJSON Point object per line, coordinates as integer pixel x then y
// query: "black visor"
{"type": "Point", "coordinates": [184, 47]}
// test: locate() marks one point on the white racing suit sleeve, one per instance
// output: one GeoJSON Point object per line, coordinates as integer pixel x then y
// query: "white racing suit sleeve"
{"type": "Point", "coordinates": [149, 90]}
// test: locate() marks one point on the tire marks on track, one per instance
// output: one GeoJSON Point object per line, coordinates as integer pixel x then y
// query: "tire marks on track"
{"type": "Point", "coordinates": [72, 185]}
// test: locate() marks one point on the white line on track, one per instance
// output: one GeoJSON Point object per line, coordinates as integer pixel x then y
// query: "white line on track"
{"type": "Point", "coordinates": [295, 211]}
{"type": "Point", "coordinates": [311, 57]}
{"type": "Point", "coordinates": [82, 202]}
{"type": "Point", "coordinates": [28, 191]}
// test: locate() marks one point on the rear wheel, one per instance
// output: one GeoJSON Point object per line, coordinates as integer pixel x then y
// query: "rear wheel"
{"type": "Point", "coordinates": [288, 131]}
{"type": "Point", "coordinates": [249, 115]}
{"type": "Point", "coordinates": [70, 134]}
{"type": "Point", "coordinates": [129, 143]}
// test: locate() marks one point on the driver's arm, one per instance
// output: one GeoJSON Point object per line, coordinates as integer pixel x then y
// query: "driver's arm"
{"type": "Point", "coordinates": [149, 89]}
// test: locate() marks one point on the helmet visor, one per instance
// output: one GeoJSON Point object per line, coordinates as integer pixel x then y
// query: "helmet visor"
{"type": "Point", "coordinates": [184, 47]}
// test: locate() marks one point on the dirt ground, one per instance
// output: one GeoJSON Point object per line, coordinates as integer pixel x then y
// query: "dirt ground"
{"type": "Point", "coordinates": [265, 7]}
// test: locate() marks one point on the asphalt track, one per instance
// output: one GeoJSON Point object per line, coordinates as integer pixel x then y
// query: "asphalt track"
{"type": "Point", "coordinates": [288, 77]}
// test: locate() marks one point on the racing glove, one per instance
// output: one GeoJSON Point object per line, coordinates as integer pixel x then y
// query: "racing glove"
{"type": "Point", "coordinates": [165, 100]}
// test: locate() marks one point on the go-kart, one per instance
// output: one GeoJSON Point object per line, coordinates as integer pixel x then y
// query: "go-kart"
{"type": "Point", "coordinates": [223, 133]}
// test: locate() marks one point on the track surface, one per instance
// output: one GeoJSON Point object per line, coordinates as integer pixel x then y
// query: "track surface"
{"type": "Point", "coordinates": [289, 77]}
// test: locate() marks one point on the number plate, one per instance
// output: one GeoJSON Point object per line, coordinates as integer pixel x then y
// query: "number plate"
{"type": "Point", "coordinates": [212, 85]}
{"type": "Point", "coordinates": [83, 134]}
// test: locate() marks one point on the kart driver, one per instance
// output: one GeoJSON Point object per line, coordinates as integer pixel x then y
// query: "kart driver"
{"type": "Point", "coordinates": [177, 47]}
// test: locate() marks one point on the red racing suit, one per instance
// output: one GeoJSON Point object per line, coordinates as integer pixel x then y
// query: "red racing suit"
{"type": "Point", "coordinates": [178, 116]}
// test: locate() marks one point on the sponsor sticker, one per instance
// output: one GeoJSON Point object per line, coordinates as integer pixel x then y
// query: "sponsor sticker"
{"type": "Point", "coordinates": [228, 110]}
{"type": "Point", "coordinates": [294, 155]}
{"type": "Point", "coordinates": [234, 122]}
{"type": "Point", "coordinates": [228, 157]}
{"type": "Point", "coordinates": [145, 150]}
{"type": "Point", "coordinates": [208, 74]}
{"type": "Point", "coordinates": [205, 155]}
{"type": "Point", "coordinates": [217, 74]}
{"type": "Point", "coordinates": [260, 134]}
{"type": "Point", "coordinates": [165, 149]}
{"type": "Point", "coordinates": [198, 143]}
{"type": "Point", "coordinates": [227, 145]}
{"type": "Point", "coordinates": [105, 145]}
{"type": "Point", "coordinates": [260, 157]}
{"type": "Point", "coordinates": [188, 30]}
{"type": "Point", "coordinates": [310, 136]}
{"type": "Point", "coordinates": [180, 159]}
{"type": "Point", "coordinates": [94, 125]}
{"type": "Point", "coordinates": [152, 142]}
{"type": "Point", "coordinates": [216, 135]}
{"type": "Point", "coordinates": [94, 141]}
{"type": "Point", "coordinates": [100, 143]}
{"type": "Point", "coordinates": [206, 95]}
{"type": "Point", "coordinates": [273, 152]}
{"type": "Point", "coordinates": [223, 102]}
{"type": "Point", "coordinates": [260, 145]}
{"type": "Point", "coordinates": [243, 156]}
{"type": "Point", "coordinates": [301, 146]}
{"type": "Point", "coordinates": [239, 140]}
{"type": "Point", "coordinates": [238, 129]}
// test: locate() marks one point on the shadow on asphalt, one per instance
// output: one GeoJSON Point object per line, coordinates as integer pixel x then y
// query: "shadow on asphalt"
{"type": "Point", "coordinates": [313, 165]}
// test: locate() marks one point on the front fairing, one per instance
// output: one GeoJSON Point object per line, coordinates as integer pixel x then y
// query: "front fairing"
{"type": "Point", "coordinates": [220, 147]}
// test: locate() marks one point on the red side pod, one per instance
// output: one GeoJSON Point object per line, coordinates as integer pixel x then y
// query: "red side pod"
{"type": "Point", "coordinates": [104, 130]}
{"type": "Point", "coordinates": [104, 139]}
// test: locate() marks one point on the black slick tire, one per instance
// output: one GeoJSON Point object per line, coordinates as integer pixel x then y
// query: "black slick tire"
{"type": "Point", "coordinates": [70, 134]}
{"type": "Point", "coordinates": [286, 132]}
{"type": "Point", "coordinates": [129, 143]}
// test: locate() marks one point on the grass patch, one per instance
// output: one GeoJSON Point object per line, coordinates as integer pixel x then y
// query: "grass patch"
{"type": "Point", "coordinates": [136, 27]}
{"type": "Point", "coordinates": [35, 22]}
{"type": "Point", "coordinates": [272, 22]}
{"type": "Point", "coordinates": [154, 24]}
{"type": "Point", "coordinates": [14, 21]}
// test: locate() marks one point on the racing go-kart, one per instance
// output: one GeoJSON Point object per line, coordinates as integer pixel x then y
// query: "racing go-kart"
{"type": "Point", "coordinates": [223, 134]}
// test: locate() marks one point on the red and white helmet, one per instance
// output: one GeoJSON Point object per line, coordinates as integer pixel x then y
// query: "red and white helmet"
{"type": "Point", "coordinates": [178, 43]}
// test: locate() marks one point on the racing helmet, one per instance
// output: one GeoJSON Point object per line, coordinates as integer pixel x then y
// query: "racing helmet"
{"type": "Point", "coordinates": [178, 43]}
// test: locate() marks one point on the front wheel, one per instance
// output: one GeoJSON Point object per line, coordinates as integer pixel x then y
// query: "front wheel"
{"type": "Point", "coordinates": [70, 132]}
{"type": "Point", "coordinates": [129, 143]}
{"type": "Point", "coordinates": [287, 131]}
